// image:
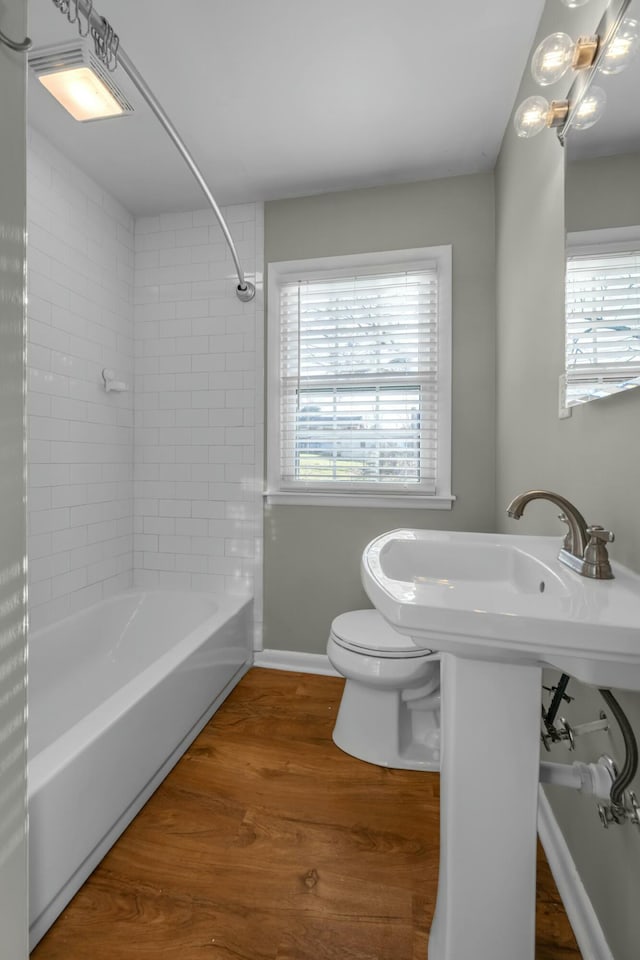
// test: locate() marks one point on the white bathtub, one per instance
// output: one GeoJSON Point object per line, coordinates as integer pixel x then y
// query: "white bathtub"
{"type": "Point", "coordinates": [116, 694]}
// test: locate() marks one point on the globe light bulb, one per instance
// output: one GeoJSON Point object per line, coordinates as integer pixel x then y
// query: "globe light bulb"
{"type": "Point", "coordinates": [591, 109]}
{"type": "Point", "coordinates": [531, 116]}
{"type": "Point", "coordinates": [622, 48]}
{"type": "Point", "coordinates": [552, 58]}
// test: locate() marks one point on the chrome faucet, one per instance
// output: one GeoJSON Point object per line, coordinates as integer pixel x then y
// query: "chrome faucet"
{"type": "Point", "coordinates": [584, 547]}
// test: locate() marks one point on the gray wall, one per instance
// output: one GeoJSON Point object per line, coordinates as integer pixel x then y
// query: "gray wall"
{"type": "Point", "coordinates": [312, 554]}
{"type": "Point", "coordinates": [593, 458]}
{"type": "Point", "coordinates": [13, 847]}
{"type": "Point", "coordinates": [604, 192]}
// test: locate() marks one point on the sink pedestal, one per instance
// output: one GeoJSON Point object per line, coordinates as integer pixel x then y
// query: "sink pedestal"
{"type": "Point", "coordinates": [488, 811]}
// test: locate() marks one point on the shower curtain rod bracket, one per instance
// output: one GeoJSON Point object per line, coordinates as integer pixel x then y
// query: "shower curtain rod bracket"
{"type": "Point", "coordinates": [19, 47]}
{"type": "Point", "coordinates": [246, 292]}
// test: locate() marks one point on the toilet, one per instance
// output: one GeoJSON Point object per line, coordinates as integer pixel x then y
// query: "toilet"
{"type": "Point", "coordinates": [390, 708]}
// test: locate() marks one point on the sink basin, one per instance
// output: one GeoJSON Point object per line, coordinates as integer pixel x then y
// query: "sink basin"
{"type": "Point", "coordinates": [506, 598]}
{"type": "Point", "coordinates": [467, 562]}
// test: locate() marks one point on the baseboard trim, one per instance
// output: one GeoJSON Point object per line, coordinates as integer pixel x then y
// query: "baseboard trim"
{"type": "Point", "coordinates": [580, 911]}
{"type": "Point", "coordinates": [295, 661]}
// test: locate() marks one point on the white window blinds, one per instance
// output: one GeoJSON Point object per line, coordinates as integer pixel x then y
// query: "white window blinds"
{"type": "Point", "coordinates": [359, 382]}
{"type": "Point", "coordinates": [602, 322]}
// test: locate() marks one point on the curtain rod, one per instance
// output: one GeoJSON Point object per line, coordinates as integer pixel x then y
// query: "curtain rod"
{"type": "Point", "coordinates": [108, 49]}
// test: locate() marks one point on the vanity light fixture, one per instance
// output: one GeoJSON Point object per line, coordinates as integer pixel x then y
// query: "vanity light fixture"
{"type": "Point", "coordinates": [622, 48]}
{"type": "Point", "coordinates": [609, 50]}
{"type": "Point", "coordinates": [536, 113]}
{"type": "Point", "coordinates": [590, 108]}
{"type": "Point", "coordinates": [558, 53]}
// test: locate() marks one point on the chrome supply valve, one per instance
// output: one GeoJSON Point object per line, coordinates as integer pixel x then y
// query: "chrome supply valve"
{"type": "Point", "coordinates": [556, 734]}
{"type": "Point", "coordinates": [565, 732]}
{"type": "Point", "coordinates": [619, 813]}
{"type": "Point", "coordinates": [603, 813]}
{"type": "Point", "coordinates": [569, 733]}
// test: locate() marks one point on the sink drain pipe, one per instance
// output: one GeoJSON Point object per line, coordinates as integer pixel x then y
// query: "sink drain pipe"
{"type": "Point", "coordinates": [589, 778]}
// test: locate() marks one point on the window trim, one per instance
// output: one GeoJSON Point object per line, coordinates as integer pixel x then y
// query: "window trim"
{"type": "Point", "coordinates": [283, 271]}
{"type": "Point", "coordinates": [605, 240]}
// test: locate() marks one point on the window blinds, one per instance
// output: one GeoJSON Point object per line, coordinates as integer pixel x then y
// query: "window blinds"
{"type": "Point", "coordinates": [602, 319]}
{"type": "Point", "coordinates": [359, 382]}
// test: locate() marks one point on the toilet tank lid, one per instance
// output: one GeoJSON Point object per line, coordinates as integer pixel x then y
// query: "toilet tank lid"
{"type": "Point", "coordinates": [370, 631]}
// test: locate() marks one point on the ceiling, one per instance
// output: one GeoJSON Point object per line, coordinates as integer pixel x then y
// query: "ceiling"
{"type": "Point", "coordinates": [282, 98]}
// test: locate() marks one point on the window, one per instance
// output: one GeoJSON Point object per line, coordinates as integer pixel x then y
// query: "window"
{"type": "Point", "coordinates": [602, 313]}
{"type": "Point", "coordinates": [360, 379]}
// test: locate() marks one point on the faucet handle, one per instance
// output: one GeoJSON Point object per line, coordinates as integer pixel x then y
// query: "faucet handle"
{"type": "Point", "coordinates": [596, 559]}
{"type": "Point", "coordinates": [598, 534]}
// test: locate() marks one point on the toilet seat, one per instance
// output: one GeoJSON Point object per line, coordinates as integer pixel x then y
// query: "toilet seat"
{"type": "Point", "coordinates": [367, 633]}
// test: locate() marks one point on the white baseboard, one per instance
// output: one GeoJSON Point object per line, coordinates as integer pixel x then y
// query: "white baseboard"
{"type": "Point", "coordinates": [580, 911]}
{"type": "Point", "coordinates": [296, 661]}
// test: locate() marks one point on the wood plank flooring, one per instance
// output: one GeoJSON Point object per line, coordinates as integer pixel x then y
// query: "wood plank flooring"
{"type": "Point", "coordinates": [266, 842]}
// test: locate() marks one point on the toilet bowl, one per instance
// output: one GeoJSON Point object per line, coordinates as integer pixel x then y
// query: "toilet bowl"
{"type": "Point", "coordinates": [390, 708]}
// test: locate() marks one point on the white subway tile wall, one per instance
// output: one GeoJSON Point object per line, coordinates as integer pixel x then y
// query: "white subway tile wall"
{"type": "Point", "coordinates": [80, 454]}
{"type": "Point", "coordinates": [199, 404]}
{"type": "Point", "coordinates": [176, 501]}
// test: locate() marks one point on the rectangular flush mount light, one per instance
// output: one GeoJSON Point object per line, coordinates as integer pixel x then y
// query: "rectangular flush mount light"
{"type": "Point", "coordinates": [76, 78]}
{"type": "Point", "coordinates": [82, 93]}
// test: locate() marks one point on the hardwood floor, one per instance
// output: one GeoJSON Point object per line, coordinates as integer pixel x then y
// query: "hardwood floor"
{"type": "Point", "coordinates": [266, 842]}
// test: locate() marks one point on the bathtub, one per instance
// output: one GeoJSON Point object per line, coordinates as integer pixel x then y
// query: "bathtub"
{"type": "Point", "coordinates": [116, 694]}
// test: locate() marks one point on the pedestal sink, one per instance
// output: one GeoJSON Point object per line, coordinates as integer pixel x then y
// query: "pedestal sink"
{"type": "Point", "coordinates": [499, 608]}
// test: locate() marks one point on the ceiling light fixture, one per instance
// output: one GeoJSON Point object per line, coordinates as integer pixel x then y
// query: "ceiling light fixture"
{"type": "Point", "coordinates": [609, 50]}
{"type": "Point", "coordinates": [82, 93]}
{"type": "Point", "coordinates": [73, 75]}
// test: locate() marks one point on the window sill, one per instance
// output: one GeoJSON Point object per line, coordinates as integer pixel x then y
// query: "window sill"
{"type": "Point", "coordinates": [407, 501]}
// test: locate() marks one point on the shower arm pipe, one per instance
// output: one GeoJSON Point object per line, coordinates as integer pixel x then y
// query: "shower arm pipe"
{"type": "Point", "coordinates": [245, 290]}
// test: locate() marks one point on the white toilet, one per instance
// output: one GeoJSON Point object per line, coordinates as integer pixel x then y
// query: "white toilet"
{"type": "Point", "coordinates": [390, 708]}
